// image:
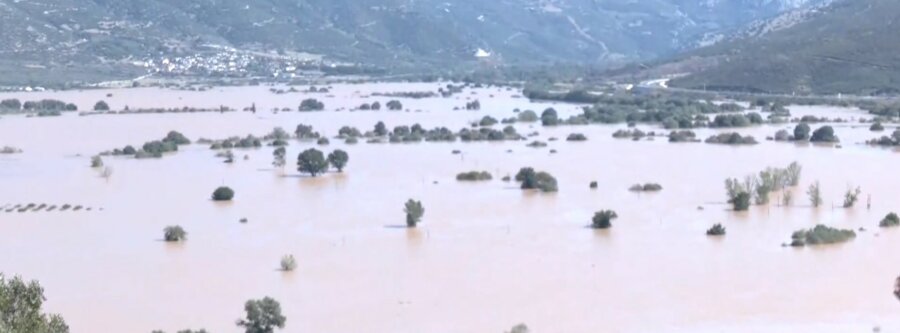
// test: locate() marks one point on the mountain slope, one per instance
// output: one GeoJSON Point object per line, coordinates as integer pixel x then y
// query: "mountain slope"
{"type": "Point", "coordinates": [98, 35]}
{"type": "Point", "coordinates": [850, 46]}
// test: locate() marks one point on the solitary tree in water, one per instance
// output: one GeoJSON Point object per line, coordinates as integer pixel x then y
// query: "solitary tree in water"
{"type": "Point", "coordinates": [603, 219]}
{"type": "Point", "coordinates": [101, 106]}
{"type": "Point", "coordinates": [338, 159]}
{"type": "Point", "coordinates": [279, 155]}
{"type": "Point", "coordinates": [223, 193]}
{"type": "Point", "coordinates": [312, 161]}
{"type": "Point", "coordinates": [263, 316]}
{"type": "Point", "coordinates": [414, 211]}
{"type": "Point", "coordinates": [815, 194]}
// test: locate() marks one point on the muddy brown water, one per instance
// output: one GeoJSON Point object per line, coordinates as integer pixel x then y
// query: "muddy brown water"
{"type": "Point", "coordinates": [487, 255]}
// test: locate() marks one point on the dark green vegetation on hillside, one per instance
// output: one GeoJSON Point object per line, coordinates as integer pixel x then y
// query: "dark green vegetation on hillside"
{"type": "Point", "coordinates": [849, 47]}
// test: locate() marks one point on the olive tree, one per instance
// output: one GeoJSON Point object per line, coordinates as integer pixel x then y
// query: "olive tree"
{"type": "Point", "coordinates": [312, 161]}
{"type": "Point", "coordinates": [338, 159]}
{"type": "Point", "coordinates": [263, 316]}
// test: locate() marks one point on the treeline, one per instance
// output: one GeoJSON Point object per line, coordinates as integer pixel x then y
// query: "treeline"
{"type": "Point", "coordinates": [16, 106]}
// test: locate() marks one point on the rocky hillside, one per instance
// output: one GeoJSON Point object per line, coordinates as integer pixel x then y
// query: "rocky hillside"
{"type": "Point", "coordinates": [108, 38]}
{"type": "Point", "coordinates": [850, 47]}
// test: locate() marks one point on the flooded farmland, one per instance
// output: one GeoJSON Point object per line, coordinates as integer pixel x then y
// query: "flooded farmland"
{"type": "Point", "coordinates": [487, 255]}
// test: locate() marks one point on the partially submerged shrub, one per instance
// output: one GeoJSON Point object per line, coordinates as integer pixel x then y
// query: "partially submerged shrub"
{"type": "Point", "coordinates": [414, 212]}
{"type": "Point", "coordinates": [731, 139]}
{"type": "Point", "coordinates": [716, 230]}
{"type": "Point", "coordinates": [576, 137]}
{"type": "Point", "coordinates": [223, 193]}
{"type": "Point", "coordinates": [741, 201]}
{"type": "Point", "coordinates": [648, 187]}
{"type": "Point", "coordinates": [603, 219]}
{"type": "Point", "coordinates": [536, 180]}
{"type": "Point", "coordinates": [821, 234]}
{"type": "Point", "coordinates": [288, 263]}
{"type": "Point", "coordinates": [891, 220]}
{"type": "Point", "coordinates": [174, 234]}
{"type": "Point", "coordinates": [474, 176]}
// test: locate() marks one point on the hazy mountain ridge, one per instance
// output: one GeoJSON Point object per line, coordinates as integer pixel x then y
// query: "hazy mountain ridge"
{"type": "Point", "coordinates": [69, 34]}
{"type": "Point", "coordinates": [849, 46]}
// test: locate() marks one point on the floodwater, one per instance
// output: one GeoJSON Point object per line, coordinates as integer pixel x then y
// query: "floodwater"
{"type": "Point", "coordinates": [487, 255]}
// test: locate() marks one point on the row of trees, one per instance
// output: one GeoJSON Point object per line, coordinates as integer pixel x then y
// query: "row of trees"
{"type": "Point", "coordinates": [803, 132]}
{"type": "Point", "coordinates": [758, 187]}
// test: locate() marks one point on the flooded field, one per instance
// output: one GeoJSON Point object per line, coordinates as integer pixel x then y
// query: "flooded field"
{"type": "Point", "coordinates": [487, 254]}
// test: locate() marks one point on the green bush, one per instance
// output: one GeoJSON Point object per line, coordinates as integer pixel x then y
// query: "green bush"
{"type": "Point", "coordinates": [96, 162]}
{"type": "Point", "coordinates": [891, 220]}
{"type": "Point", "coordinates": [741, 201]}
{"type": "Point", "coordinates": [648, 187]}
{"type": "Point", "coordinates": [576, 137]}
{"type": "Point", "coordinates": [414, 212]}
{"type": "Point", "coordinates": [528, 116]}
{"type": "Point", "coordinates": [536, 180]}
{"type": "Point", "coordinates": [338, 159]}
{"type": "Point", "coordinates": [824, 134]}
{"type": "Point", "coordinates": [603, 219]}
{"type": "Point", "coordinates": [876, 127]}
{"type": "Point", "coordinates": [311, 104]}
{"type": "Point", "coordinates": [263, 316]}
{"type": "Point", "coordinates": [801, 132]}
{"type": "Point", "coordinates": [223, 193]}
{"type": "Point", "coordinates": [731, 139]}
{"type": "Point", "coordinates": [474, 176]}
{"type": "Point", "coordinates": [174, 234]}
{"type": "Point", "coordinates": [821, 234]}
{"type": "Point", "coordinates": [312, 161]}
{"type": "Point", "coordinates": [288, 263]}
{"type": "Point", "coordinates": [716, 230]}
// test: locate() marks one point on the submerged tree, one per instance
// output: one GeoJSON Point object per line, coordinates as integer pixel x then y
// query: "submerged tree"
{"type": "Point", "coordinates": [741, 201]}
{"type": "Point", "coordinates": [380, 129]}
{"type": "Point", "coordinates": [20, 308]}
{"type": "Point", "coordinates": [801, 132]}
{"type": "Point", "coordinates": [536, 180]}
{"type": "Point", "coordinates": [223, 193]}
{"type": "Point", "coordinates": [96, 161]}
{"type": "Point", "coordinates": [263, 316]}
{"type": "Point", "coordinates": [338, 159]}
{"type": "Point", "coordinates": [279, 157]}
{"type": "Point", "coordinates": [174, 233]}
{"type": "Point", "coordinates": [851, 197]}
{"type": "Point", "coordinates": [815, 194]}
{"type": "Point", "coordinates": [603, 219]}
{"type": "Point", "coordinates": [312, 161]}
{"type": "Point", "coordinates": [414, 212]}
{"type": "Point", "coordinates": [716, 230]}
{"type": "Point", "coordinates": [288, 263]}
{"type": "Point", "coordinates": [101, 106]}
